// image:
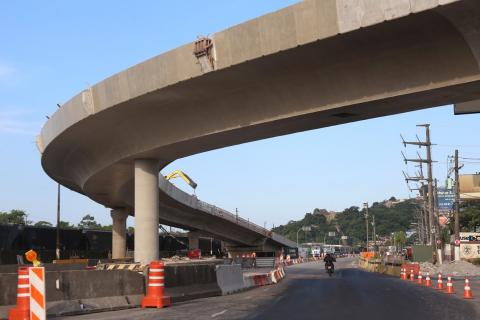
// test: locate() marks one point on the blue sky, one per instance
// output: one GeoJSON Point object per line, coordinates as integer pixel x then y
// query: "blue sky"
{"type": "Point", "coordinates": [51, 50]}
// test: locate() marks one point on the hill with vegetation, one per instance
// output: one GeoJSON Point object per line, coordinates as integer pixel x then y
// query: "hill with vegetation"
{"type": "Point", "coordinates": [390, 216]}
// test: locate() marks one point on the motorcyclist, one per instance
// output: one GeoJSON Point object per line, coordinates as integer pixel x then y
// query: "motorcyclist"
{"type": "Point", "coordinates": [329, 260]}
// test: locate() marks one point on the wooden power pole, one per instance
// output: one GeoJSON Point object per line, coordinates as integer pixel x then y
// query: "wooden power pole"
{"type": "Point", "coordinates": [433, 230]}
{"type": "Point", "coordinates": [457, 209]}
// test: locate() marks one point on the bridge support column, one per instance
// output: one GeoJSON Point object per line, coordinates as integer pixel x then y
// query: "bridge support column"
{"type": "Point", "coordinates": [119, 233]}
{"type": "Point", "coordinates": [146, 210]}
{"type": "Point", "coordinates": [193, 240]}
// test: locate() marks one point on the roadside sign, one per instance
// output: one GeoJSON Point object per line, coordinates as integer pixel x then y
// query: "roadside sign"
{"type": "Point", "coordinates": [331, 233]}
{"type": "Point", "coordinates": [457, 242]}
{"type": "Point", "coordinates": [446, 199]}
{"type": "Point", "coordinates": [344, 237]}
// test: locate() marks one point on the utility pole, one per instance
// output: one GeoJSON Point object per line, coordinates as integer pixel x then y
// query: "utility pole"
{"type": "Point", "coordinates": [457, 209]}
{"type": "Point", "coordinates": [437, 223]}
{"type": "Point", "coordinates": [374, 233]}
{"type": "Point", "coordinates": [426, 217]}
{"type": "Point", "coordinates": [432, 229]}
{"type": "Point", "coordinates": [365, 205]}
{"type": "Point", "coordinates": [57, 249]}
{"type": "Point", "coordinates": [431, 207]}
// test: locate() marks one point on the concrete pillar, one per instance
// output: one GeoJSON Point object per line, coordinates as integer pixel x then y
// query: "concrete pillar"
{"type": "Point", "coordinates": [146, 210]}
{"type": "Point", "coordinates": [119, 233]}
{"type": "Point", "coordinates": [193, 240]}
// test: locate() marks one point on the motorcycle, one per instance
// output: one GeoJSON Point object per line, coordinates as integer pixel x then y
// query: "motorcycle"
{"type": "Point", "coordinates": [330, 269]}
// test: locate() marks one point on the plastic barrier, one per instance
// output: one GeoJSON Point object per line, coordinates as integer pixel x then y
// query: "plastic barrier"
{"type": "Point", "coordinates": [22, 309]}
{"type": "Point", "coordinates": [156, 282]}
{"type": "Point", "coordinates": [38, 308]}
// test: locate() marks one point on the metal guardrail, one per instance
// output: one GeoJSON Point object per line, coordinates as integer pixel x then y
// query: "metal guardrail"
{"type": "Point", "coordinates": [192, 201]}
{"type": "Point", "coordinates": [233, 218]}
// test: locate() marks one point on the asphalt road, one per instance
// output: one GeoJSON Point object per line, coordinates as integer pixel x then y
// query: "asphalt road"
{"type": "Point", "coordinates": [308, 293]}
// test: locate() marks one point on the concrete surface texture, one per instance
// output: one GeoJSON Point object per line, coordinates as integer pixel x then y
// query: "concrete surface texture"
{"type": "Point", "coordinates": [308, 293]}
{"type": "Point", "coordinates": [230, 278]}
{"type": "Point", "coordinates": [119, 233]}
{"type": "Point", "coordinates": [311, 65]}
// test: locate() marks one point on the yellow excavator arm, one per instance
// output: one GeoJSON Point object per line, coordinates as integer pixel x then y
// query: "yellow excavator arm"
{"type": "Point", "coordinates": [184, 176]}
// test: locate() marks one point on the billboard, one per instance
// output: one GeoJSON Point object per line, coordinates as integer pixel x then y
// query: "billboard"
{"type": "Point", "coordinates": [446, 199]}
{"type": "Point", "coordinates": [469, 245]}
{"type": "Point", "coordinates": [470, 186]}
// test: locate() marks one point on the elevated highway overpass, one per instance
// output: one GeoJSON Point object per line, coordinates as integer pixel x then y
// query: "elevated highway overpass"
{"type": "Point", "coordinates": [314, 64]}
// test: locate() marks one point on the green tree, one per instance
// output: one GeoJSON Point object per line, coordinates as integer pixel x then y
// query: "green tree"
{"type": "Point", "coordinates": [88, 222]}
{"type": "Point", "coordinates": [42, 224]}
{"type": "Point", "coordinates": [351, 222]}
{"type": "Point", "coordinates": [107, 228]}
{"type": "Point", "coordinates": [66, 225]}
{"type": "Point", "coordinates": [14, 217]}
{"type": "Point", "coordinates": [469, 218]}
{"type": "Point", "coordinates": [400, 238]}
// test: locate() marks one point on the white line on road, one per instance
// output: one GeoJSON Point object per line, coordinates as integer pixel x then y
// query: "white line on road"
{"type": "Point", "coordinates": [219, 313]}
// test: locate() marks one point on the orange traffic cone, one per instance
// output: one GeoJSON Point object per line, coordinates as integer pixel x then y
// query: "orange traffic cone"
{"type": "Point", "coordinates": [467, 292]}
{"type": "Point", "coordinates": [428, 282]}
{"type": "Point", "coordinates": [449, 289]}
{"type": "Point", "coordinates": [439, 282]}
{"type": "Point", "coordinates": [22, 311]}
{"type": "Point", "coordinates": [412, 276]}
{"type": "Point", "coordinates": [420, 281]}
{"type": "Point", "coordinates": [403, 274]}
{"type": "Point", "coordinates": [156, 281]}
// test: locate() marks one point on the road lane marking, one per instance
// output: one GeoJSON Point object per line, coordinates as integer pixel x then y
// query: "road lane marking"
{"type": "Point", "coordinates": [219, 313]}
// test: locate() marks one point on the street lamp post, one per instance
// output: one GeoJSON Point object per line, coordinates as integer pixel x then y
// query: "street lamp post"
{"type": "Point", "coordinates": [365, 205]}
{"type": "Point", "coordinates": [304, 228]}
{"type": "Point", "coordinates": [57, 244]}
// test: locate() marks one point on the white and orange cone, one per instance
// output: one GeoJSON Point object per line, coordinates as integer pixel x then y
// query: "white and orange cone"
{"type": "Point", "coordinates": [420, 279]}
{"type": "Point", "coordinates": [412, 276]}
{"type": "Point", "coordinates": [439, 282]}
{"type": "Point", "coordinates": [428, 281]}
{"type": "Point", "coordinates": [449, 289]}
{"type": "Point", "coordinates": [467, 291]}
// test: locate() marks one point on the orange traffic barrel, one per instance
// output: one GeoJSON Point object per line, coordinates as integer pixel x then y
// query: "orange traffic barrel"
{"type": "Point", "coordinates": [22, 310]}
{"type": "Point", "coordinates": [155, 288]}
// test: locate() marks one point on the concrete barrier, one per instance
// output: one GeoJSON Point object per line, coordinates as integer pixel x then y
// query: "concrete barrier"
{"type": "Point", "coordinates": [230, 278]}
{"type": "Point", "coordinates": [77, 291]}
{"type": "Point", "coordinates": [188, 281]}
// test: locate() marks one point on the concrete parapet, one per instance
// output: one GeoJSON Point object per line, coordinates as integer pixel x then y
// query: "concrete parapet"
{"type": "Point", "coordinates": [230, 278]}
{"type": "Point", "coordinates": [190, 281]}
{"type": "Point", "coordinates": [390, 268]}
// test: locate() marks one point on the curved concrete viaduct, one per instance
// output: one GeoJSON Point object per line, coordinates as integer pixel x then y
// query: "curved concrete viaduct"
{"type": "Point", "coordinates": [311, 65]}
